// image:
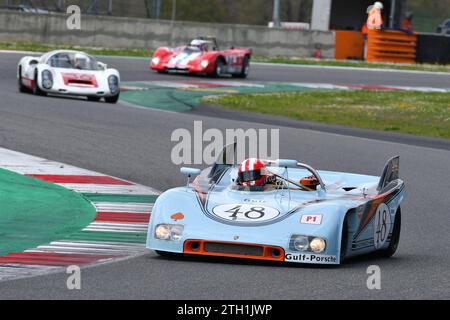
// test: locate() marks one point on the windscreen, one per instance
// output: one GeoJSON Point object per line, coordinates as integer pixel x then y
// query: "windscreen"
{"type": "Point", "coordinates": [190, 50]}
{"type": "Point", "coordinates": [228, 155]}
{"type": "Point", "coordinates": [73, 60]}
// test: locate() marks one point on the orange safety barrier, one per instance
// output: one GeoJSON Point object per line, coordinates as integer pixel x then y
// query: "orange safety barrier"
{"type": "Point", "coordinates": [391, 46]}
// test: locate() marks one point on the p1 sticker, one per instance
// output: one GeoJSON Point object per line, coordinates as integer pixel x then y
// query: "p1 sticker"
{"type": "Point", "coordinates": [315, 219]}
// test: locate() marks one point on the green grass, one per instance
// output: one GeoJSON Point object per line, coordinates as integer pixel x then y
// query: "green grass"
{"type": "Point", "coordinates": [425, 114]}
{"type": "Point", "coordinates": [37, 47]}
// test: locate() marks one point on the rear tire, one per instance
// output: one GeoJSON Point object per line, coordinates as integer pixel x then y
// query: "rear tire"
{"type": "Point", "coordinates": [21, 86]}
{"type": "Point", "coordinates": [393, 245]}
{"type": "Point", "coordinates": [112, 99]}
{"type": "Point", "coordinates": [245, 69]}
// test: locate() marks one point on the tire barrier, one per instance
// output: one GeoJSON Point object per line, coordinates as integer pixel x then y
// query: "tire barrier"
{"type": "Point", "coordinates": [391, 46]}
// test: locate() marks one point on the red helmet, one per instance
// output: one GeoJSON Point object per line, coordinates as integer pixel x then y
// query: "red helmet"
{"type": "Point", "coordinates": [252, 173]}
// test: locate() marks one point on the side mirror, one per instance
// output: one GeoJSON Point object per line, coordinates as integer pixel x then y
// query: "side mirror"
{"type": "Point", "coordinates": [102, 66]}
{"type": "Point", "coordinates": [286, 163]}
{"type": "Point", "coordinates": [190, 172]}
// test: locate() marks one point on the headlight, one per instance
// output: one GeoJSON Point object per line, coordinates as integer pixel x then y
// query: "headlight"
{"type": "Point", "coordinates": [300, 243]}
{"type": "Point", "coordinates": [155, 61]}
{"type": "Point", "coordinates": [171, 232]}
{"type": "Point", "coordinates": [176, 232]}
{"type": "Point", "coordinates": [47, 79]}
{"type": "Point", "coordinates": [307, 243]}
{"type": "Point", "coordinates": [113, 82]}
{"type": "Point", "coordinates": [204, 64]}
{"type": "Point", "coordinates": [162, 232]}
{"type": "Point", "coordinates": [317, 245]}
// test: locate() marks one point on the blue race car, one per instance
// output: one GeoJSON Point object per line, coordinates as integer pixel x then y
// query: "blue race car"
{"type": "Point", "coordinates": [279, 211]}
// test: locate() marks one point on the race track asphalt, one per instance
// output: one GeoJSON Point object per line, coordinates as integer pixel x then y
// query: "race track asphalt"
{"type": "Point", "coordinates": [134, 144]}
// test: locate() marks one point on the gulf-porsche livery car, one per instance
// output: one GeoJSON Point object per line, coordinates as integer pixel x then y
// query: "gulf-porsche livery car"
{"type": "Point", "coordinates": [202, 56]}
{"type": "Point", "coordinates": [281, 211]}
{"type": "Point", "coordinates": [69, 73]}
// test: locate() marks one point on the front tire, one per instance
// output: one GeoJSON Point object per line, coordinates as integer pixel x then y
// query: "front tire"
{"type": "Point", "coordinates": [344, 241]}
{"type": "Point", "coordinates": [166, 254]}
{"type": "Point", "coordinates": [112, 99]}
{"type": "Point", "coordinates": [219, 68]}
{"type": "Point", "coordinates": [36, 89]}
{"type": "Point", "coordinates": [395, 239]}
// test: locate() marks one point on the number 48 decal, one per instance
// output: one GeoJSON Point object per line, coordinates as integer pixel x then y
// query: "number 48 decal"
{"type": "Point", "coordinates": [382, 224]}
{"type": "Point", "coordinates": [245, 212]}
{"type": "Point", "coordinates": [254, 213]}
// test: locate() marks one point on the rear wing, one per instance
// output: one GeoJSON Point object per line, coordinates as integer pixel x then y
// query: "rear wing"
{"type": "Point", "coordinates": [391, 173]}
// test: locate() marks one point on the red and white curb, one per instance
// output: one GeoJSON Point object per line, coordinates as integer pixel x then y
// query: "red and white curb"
{"type": "Point", "coordinates": [118, 231]}
{"type": "Point", "coordinates": [367, 87]}
{"type": "Point", "coordinates": [207, 83]}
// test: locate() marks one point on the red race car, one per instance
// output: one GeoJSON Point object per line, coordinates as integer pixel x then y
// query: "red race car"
{"type": "Point", "coordinates": [202, 56]}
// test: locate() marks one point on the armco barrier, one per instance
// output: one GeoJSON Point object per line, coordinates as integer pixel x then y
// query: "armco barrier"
{"type": "Point", "coordinates": [391, 46]}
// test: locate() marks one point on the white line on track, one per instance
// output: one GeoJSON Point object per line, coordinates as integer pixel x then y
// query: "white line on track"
{"type": "Point", "coordinates": [342, 68]}
{"type": "Point", "coordinates": [123, 207]}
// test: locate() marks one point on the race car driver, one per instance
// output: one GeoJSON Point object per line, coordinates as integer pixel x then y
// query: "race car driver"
{"type": "Point", "coordinates": [254, 176]}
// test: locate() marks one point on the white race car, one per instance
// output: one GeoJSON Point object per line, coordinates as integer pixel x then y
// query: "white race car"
{"type": "Point", "coordinates": [70, 73]}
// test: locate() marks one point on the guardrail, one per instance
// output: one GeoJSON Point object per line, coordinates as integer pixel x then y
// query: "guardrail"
{"type": "Point", "coordinates": [391, 46]}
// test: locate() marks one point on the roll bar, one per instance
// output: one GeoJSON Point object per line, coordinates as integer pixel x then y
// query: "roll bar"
{"type": "Point", "coordinates": [286, 163]}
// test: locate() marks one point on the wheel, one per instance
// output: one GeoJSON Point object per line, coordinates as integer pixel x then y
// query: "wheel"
{"type": "Point", "coordinates": [36, 89]}
{"type": "Point", "coordinates": [245, 69]}
{"type": "Point", "coordinates": [112, 99]}
{"type": "Point", "coordinates": [344, 241]}
{"type": "Point", "coordinates": [21, 86]}
{"type": "Point", "coordinates": [395, 239]}
{"type": "Point", "coordinates": [94, 99]}
{"type": "Point", "coordinates": [219, 69]}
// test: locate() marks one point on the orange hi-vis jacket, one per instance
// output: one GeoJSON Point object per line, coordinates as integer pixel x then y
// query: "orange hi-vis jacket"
{"type": "Point", "coordinates": [375, 20]}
